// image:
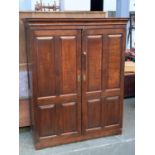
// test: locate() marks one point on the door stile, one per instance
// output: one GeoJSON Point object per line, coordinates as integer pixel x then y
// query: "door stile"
{"type": "Point", "coordinates": [84, 79]}
{"type": "Point", "coordinates": [79, 78]}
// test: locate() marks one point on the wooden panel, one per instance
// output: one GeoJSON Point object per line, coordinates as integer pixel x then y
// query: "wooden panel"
{"type": "Point", "coordinates": [94, 62]}
{"type": "Point", "coordinates": [47, 120]}
{"type": "Point", "coordinates": [70, 88]}
{"type": "Point", "coordinates": [61, 119]}
{"type": "Point", "coordinates": [92, 86]}
{"type": "Point", "coordinates": [69, 117]}
{"type": "Point", "coordinates": [94, 113]}
{"type": "Point", "coordinates": [45, 61]}
{"type": "Point", "coordinates": [58, 55]}
{"type": "Point", "coordinates": [101, 105]}
{"type": "Point", "coordinates": [111, 111]}
{"type": "Point", "coordinates": [129, 85]}
{"type": "Point", "coordinates": [68, 62]}
{"type": "Point", "coordinates": [24, 113]}
{"type": "Point", "coordinates": [114, 60]}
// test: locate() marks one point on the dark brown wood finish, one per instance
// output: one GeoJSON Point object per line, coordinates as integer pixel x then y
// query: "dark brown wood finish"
{"type": "Point", "coordinates": [24, 106]}
{"type": "Point", "coordinates": [129, 85]}
{"type": "Point", "coordinates": [57, 58]}
{"type": "Point", "coordinates": [76, 78]}
{"type": "Point", "coordinates": [102, 73]}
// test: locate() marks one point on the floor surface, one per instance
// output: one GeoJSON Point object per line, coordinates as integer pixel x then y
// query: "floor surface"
{"type": "Point", "coordinates": [114, 145]}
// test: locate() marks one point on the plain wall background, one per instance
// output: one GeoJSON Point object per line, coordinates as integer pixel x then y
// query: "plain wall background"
{"type": "Point", "coordinates": [70, 5]}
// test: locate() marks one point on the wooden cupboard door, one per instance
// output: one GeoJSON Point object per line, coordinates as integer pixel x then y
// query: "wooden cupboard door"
{"type": "Point", "coordinates": [57, 72]}
{"type": "Point", "coordinates": [102, 73]}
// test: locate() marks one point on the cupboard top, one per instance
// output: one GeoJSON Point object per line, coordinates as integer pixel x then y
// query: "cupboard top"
{"type": "Point", "coordinates": [75, 21]}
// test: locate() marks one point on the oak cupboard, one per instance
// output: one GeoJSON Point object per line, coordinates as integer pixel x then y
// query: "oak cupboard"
{"type": "Point", "coordinates": [76, 68]}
